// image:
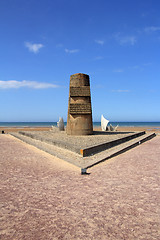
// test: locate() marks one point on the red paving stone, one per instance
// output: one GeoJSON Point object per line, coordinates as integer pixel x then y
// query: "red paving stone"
{"type": "Point", "coordinates": [43, 197]}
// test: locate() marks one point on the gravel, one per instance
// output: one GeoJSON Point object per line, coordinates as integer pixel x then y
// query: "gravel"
{"type": "Point", "coordinates": [74, 143]}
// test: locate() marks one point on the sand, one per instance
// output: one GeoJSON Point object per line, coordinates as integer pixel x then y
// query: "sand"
{"type": "Point", "coordinates": [127, 129]}
{"type": "Point", "coordinates": [17, 129]}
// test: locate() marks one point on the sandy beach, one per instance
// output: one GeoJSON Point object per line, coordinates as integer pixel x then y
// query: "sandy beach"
{"type": "Point", "coordinates": [122, 129]}
{"type": "Point", "coordinates": [17, 129]}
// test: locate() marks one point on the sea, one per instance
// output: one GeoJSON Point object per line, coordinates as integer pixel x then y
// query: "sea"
{"type": "Point", "coordinates": [95, 124]}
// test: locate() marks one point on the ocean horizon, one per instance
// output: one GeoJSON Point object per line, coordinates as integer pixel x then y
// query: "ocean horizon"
{"type": "Point", "coordinates": [95, 124]}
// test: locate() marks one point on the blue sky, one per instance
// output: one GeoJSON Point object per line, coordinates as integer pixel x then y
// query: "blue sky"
{"type": "Point", "coordinates": [117, 43]}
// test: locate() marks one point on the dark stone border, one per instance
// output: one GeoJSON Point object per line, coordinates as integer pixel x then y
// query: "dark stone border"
{"type": "Point", "coordinates": [98, 148]}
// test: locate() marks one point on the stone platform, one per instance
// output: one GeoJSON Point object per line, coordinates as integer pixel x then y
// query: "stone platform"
{"type": "Point", "coordinates": [83, 151]}
{"type": "Point", "coordinates": [84, 145]}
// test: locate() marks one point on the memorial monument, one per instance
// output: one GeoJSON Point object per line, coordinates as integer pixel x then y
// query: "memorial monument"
{"type": "Point", "coordinates": [79, 121]}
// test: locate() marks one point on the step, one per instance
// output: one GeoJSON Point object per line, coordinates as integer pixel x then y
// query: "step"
{"type": "Point", "coordinates": [116, 150]}
{"type": "Point", "coordinates": [78, 160]}
{"type": "Point", "coordinates": [64, 154]}
{"type": "Point", "coordinates": [101, 147]}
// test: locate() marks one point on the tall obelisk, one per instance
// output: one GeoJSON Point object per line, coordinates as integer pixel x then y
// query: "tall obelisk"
{"type": "Point", "coordinates": [79, 120]}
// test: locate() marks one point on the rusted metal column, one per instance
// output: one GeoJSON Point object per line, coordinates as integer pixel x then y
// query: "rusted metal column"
{"type": "Point", "coordinates": [79, 120]}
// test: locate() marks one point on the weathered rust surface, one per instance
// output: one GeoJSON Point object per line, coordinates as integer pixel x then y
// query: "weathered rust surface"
{"type": "Point", "coordinates": [79, 120]}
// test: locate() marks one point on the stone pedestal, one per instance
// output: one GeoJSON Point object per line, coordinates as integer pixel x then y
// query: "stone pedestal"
{"type": "Point", "coordinates": [79, 120]}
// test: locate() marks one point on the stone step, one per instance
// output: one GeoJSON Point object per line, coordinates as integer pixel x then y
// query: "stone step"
{"type": "Point", "coordinates": [79, 160]}
{"type": "Point", "coordinates": [59, 152]}
{"type": "Point", "coordinates": [116, 150]}
{"type": "Point", "coordinates": [101, 147]}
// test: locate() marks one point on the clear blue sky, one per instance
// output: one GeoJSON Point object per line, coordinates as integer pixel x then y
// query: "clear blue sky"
{"type": "Point", "coordinates": [115, 42]}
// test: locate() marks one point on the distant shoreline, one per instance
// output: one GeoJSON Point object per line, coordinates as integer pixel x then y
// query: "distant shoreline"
{"type": "Point", "coordinates": [95, 124]}
{"type": "Point", "coordinates": [46, 126]}
{"type": "Point", "coordinates": [96, 128]}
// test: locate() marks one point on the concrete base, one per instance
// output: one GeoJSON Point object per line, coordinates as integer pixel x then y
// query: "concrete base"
{"type": "Point", "coordinates": [80, 125]}
{"type": "Point", "coordinates": [79, 160]}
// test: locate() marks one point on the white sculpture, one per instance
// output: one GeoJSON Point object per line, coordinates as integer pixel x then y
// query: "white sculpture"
{"type": "Point", "coordinates": [60, 124]}
{"type": "Point", "coordinates": [113, 129]}
{"type": "Point", "coordinates": [104, 123]}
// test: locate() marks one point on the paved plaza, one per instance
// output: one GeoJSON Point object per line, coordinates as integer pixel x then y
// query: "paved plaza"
{"type": "Point", "coordinates": [44, 197]}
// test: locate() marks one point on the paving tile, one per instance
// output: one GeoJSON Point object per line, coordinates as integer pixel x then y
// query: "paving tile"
{"type": "Point", "coordinates": [44, 197]}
